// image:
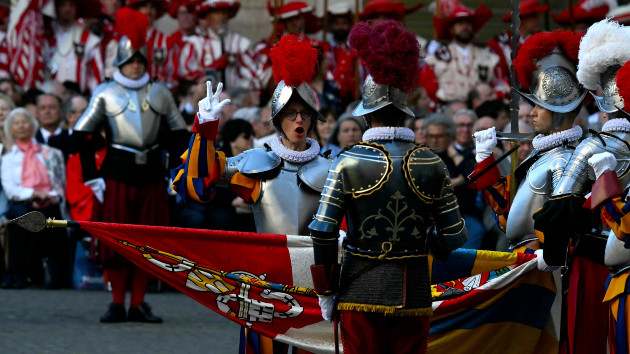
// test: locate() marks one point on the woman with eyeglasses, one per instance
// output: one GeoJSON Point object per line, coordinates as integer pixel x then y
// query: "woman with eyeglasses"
{"type": "Point", "coordinates": [282, 182]}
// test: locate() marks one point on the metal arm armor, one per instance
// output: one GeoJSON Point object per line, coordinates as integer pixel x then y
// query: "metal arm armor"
{"type": "Point", "coordinates": [107, 99]}
{"type": "Point", "coordinates": [427, 176]}
{"type": "Point", "coordinates": [161, 101]}
{"type": "Point", "coordinates": [577, 174]}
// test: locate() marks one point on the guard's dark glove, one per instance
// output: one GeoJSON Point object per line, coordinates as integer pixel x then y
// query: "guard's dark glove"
{"type": "Point", "coordinates": [558, 220]}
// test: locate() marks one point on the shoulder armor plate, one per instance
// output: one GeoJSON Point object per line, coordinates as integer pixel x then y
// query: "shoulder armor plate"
{"type": "Point", "coordinates": [257, 160]}
{"type": "Point", "coordinates": [115, 97]}
{"type": "Point", "coordinates": [426, 174]}
{"type": "Point", "coordinates": [314, 172]}
{"type": "Point", "coordinates": [366, 167]}
{"type": "Point", "coordinates": [156, 97]}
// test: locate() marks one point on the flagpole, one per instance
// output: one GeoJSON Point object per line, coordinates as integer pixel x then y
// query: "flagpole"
{"type": "Point", "coordinates": [514, 43]}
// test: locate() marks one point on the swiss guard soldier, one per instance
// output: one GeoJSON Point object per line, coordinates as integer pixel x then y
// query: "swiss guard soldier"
{"type": "Point", "coordinates": [609, 197]}
{"type": "Point", "coordinates": [397, 199]}
{"type": "Point", "coordinates": [132, 110]}
{"type": "Point", "coordinates": [584, 14]}
{"type": "Point", "coordinates": [283, 181]}
{"type": "Point", "coordinates": [603, 50]}
{"type": "Point", "coordinates": [546, 65]}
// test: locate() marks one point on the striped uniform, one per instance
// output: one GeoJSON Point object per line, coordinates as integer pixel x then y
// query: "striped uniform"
{"type": "Point", "coordinates": [76, 56]}
{"type": "Point", "coordinates": [157, 52]}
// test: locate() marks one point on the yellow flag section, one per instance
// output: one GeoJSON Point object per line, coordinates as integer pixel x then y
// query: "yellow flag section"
{"type": "Point", "coordinates": [503, 305]}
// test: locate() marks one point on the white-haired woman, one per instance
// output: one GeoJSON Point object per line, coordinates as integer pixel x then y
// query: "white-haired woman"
{"type": "Point", "coordinates": [33, 178]}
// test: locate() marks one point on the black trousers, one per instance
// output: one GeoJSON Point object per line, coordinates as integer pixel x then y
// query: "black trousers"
{"type": "Point", "coordinates": [28, 250]}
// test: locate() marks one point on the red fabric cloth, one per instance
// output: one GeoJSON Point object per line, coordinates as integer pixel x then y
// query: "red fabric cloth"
{"type": "Point", "coordinates": [364, 332]}
{"type": "Point", "coordinates": [587, 315]}
{"type": "Point", "coordinates": [132, 205]}
{"type": "Point", "coordinates": [34, 173]}
{"type": "Point", "coordinates": [79, 196]}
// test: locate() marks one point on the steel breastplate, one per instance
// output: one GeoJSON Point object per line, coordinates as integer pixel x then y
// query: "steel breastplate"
{"type": "Point", "coordinates": [533, 191]}
{"type": "Point", "coordinates": [137, 126]}
{"type": "Point", "coordinates": [287, 204]}
{"type": "Point", "coordinates": [578, 175]}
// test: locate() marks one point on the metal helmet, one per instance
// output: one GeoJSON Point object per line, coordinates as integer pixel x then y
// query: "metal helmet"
{"type": "Point", "coordinates": [126, 51]}
{"type": "Point", "coordinates": [376, 96]}
{"type": "Point", "coordinates": [611, 102]}
{"type": "Point", "coordinates": [553, 85]}
{"type": "Point", "coordinates": [284, 93]}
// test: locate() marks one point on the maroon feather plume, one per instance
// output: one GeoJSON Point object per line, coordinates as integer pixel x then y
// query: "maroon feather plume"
{"type": "Point", "coordinates": [541, 45]}
{"type": "Point", "coordinates": [133, 24]}
{"type": "Point", "coordinates": [293, 60]}
{"type": "Point", "coordinates": [390, 53]}
{"type": "Point", "coordinates": [623, 84]}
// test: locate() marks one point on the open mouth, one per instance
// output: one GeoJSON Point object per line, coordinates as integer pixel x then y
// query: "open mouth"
{"type": "Point", "coordinates": [299, 130]}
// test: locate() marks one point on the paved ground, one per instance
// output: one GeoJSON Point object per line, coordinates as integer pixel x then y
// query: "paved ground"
{"type": "Point", "coordinates": [67, 321]}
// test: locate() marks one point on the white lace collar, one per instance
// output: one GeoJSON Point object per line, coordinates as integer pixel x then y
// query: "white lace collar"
{"type": "Point", "coordinates": [293, 156]}
{"type": "Point", "coordinates": [617, 125]}
{"type": "Point", "coordinates": [389, 133]}
{"type": "Point", "coordinates": [545, 142]}
{"type": "Point", "coordinates": [130, 83]}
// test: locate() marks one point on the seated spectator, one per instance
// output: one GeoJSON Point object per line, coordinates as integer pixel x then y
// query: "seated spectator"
{"type": "Point", "coordinates": [11, 89]}
{"type": "Point", "coordinates": [497, 110]}
{"type": "Point", "coordinates": [420, 103]}
{"type": "Point", "coordinates": [33, 177]}
{"type": "Point", "coordinates": [326, 88]}
{"type": "Point", "coordinates": [480, 94]}
{"type": "Point", "coordinates": [417, 126]}
{"type": "Point", "coordinates": [323, 129]}
{"type": "Point", "coordinates": [347, 132]}
{"type": "Point", "coordinates": [73, 109]}
{"type": "Point", "coordinates": [6, 106]}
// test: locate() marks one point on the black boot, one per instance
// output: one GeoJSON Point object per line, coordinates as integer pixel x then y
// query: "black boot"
{"type": "Point", "coordinates": [115, 313]}
{"type": "Point", "coordinates": [143, 313]}
{"type": "Point", "coordinates": [7, 282]}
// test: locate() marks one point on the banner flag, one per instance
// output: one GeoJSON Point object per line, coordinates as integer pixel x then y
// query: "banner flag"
{"type": "Point", "coordinates": [263, 282]}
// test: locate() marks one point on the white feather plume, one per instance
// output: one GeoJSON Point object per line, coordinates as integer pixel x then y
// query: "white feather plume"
{"type": "Point", "coordinates": [606, 43]}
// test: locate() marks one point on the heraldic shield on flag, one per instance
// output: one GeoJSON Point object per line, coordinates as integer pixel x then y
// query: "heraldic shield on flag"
{"type": "Point", "coordinates": [263, 282]}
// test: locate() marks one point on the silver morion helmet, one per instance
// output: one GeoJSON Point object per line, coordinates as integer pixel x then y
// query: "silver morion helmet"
{"type": "Point", "coordinates": [553, 85]}
{"type": "Point", "coordinates": [283, 94]}
{"type": "Point", "coordinates": [376, 96]}
{"type": "Point", "coordinates": [611, 102]}
{"type": "Point", "coordinates": [126, 51]}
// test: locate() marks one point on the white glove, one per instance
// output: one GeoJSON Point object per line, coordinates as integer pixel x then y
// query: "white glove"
{"type": "Point", "coordinates": [210, 107]}
{"type": "Point", "coordinates": [327, 304]}
{"type": "Point", "coordinates": [541, 262]}
{"type": "Point", "coordinates": [602, 162]}
{"type": "Point", "coordinates": [485, 141]}
{"type": "Point", "coordinates": [98, 187]}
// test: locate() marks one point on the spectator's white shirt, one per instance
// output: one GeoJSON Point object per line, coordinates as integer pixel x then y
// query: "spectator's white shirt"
{"type": "Point", "coordinates": [11, 174]}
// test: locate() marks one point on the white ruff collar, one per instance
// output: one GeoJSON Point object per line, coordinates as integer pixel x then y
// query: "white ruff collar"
{"type": "Point", "coordinates": [545, 142]}
{"type": "Point", "coordinates": [129, 83]}
{"type": "Point", "coordinates": [617, 125]}
{"type": "Point", "coordinates": [295, 156]}
{"type": "Point", "coordinates": [389, 133]}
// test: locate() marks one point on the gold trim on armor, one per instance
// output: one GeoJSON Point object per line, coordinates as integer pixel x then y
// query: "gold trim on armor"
{"type": "Point", "coordinates": [384, 176]}
{"type": "Point", "coordinates": [384, 257]}
{"type": "Point", "coordinates": [326, 219]}
{"type": "Point", "coordinates": [385, 310]}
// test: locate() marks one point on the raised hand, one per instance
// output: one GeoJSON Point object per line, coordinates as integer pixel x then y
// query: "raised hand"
{"type": "Point", "coordinates": [210, 107]}
{"type": "Point", "coordinates": [485, 141]}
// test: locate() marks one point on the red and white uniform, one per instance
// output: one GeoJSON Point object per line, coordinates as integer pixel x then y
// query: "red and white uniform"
{"type": "Point", "coordinates": [109, 48]}
{"type": "Point", "coordinates": [343, 60]}
{"type": "Point", "coordinates": [76, 56]}
{"type": "Point", "coordinates": [223, 54]}
{"type": "Point", "coordinates": [183, 56]}
{"type": "Point", "coordinates": [157, 52]}
{"type": "Point", "coordinates": [4, 56]}
{"type": "Point", "coordinates": [459, 69]}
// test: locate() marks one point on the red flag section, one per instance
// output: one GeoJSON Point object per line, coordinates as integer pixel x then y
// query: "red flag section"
{"type": "Point", "coordinates": [257, 280]}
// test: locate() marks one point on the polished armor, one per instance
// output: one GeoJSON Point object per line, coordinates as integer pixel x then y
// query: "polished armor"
{"type": "Point", "coordinates": [133, 116]}
{"type": "Point", "coordinates": [578, 175]}
{"type": "Point", "coordinates": [534, 190]}
{"type": "Point", "coordinates": [283, 93]}
{"type": "Point", "coordinates": [288, 192]}
{"type": "Point", "coordinates": [414, 193]}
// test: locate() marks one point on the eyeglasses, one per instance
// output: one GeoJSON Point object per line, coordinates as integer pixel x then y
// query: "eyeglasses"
{"type": "Point", "coordinates": [292, 115]}
{"type": "Point", "coordinates": [464, 125]}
